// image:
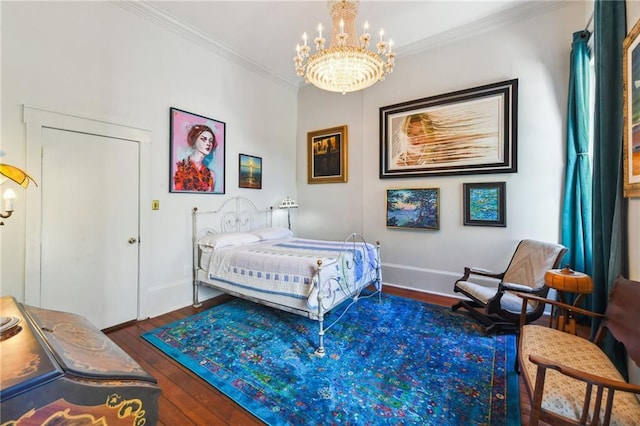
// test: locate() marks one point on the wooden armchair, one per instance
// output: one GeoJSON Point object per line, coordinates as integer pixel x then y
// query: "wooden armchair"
{"type": "Point", "coordinates": [498, 306]}
{"type": "Point", "coordinates": [570, 381]}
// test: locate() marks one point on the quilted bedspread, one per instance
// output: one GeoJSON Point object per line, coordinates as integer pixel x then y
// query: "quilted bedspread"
{"type": "Point", "coordinates": [289, 267]}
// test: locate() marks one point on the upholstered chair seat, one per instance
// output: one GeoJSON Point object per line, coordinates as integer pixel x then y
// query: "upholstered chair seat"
{"type": "Point", "coordinates": [565, 395]}
{"type": "Point", "coordinates": [570, 379]}
{"type": "Point", "coordinates": [509, 302]}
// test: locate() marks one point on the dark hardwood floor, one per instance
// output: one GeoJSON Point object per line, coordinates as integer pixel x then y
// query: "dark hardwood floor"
{"type": "Point", "coordinates": [188, 400]}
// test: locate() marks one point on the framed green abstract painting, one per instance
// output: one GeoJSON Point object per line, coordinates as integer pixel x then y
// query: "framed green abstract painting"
{"type": "Point", "coordinates": [485, 204]}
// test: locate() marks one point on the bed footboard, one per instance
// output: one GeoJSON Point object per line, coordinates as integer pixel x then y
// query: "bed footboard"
{"type": "Point", "coordinates": [350, 284]}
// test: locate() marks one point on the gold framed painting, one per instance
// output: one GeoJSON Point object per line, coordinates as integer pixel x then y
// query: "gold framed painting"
{"type": "Point", "coordinates": [631, 146]}
{"type": "Point", "coordinates": [327, 155]}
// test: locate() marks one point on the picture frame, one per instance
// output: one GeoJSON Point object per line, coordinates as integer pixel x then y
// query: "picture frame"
{"type": "Point", "coordinates": [631, 97]}
{"type": "Point", "coordinates": [249, 171]}
{"type": "Point", "coordinates": [413, 208]}
{"type": "Point", "coordinates": [485, 204]}
{"type": "Point", "coordinates": [469, 131]}
{"type": "Point", "coordinates": [327, 155]}
{"type": "Point", "coordinates": [196, 153]}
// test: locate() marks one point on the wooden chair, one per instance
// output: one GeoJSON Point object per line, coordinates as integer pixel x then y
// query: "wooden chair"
{"type": "Point", "coordinates": [498, 306]}
{"type": "Point", "coordinates": [569, 379]}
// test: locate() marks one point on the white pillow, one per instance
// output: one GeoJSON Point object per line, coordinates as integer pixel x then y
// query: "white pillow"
{"type": "Point", "coordinates": [228, 239]}
{"type": "Point", "coordinates": [274, 233]}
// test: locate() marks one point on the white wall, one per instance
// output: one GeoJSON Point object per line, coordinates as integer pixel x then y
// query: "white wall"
{"type": "Point", "coordinates": [534, 50]}
{"type": "Point", "coordinates": [97, 60]}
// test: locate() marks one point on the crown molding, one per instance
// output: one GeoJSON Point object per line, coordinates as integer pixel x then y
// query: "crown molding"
{"type": "Point", "coordinates": [509, 16]}
{"type": "Point", "coordinates": [151, 13]}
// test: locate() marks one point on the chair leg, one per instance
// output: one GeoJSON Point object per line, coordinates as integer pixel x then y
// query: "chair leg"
{"type": "Point", "coordinates": [499, 327]}
{"type": "Point", "coordinates": [493, 328]}
{"type": "Point", "coordinates": [491, 324]}
{"type": "Point", "coordinates": [471, 307]}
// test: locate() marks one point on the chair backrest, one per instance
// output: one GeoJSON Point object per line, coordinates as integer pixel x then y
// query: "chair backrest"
{"type": "Point", "coordinates": [623, 316]}
{"type": "Point", "coordinates": [531, 260]}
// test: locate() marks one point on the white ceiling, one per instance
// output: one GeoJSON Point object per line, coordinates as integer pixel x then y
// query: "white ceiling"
{"type": "Point", "coordinates": [263, 34]}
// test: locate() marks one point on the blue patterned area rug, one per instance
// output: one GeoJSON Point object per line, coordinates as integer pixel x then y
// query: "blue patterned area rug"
{"type": "Point", "coordinates": [397, 361]}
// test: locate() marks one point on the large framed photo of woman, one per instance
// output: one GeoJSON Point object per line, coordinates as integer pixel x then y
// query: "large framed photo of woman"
{"type": "Point", "coordinates": [631, 76]}
{"type": "Point", "coordinates": [197, 153]}
{"type": "Point", "coordinates": [327, 155]}
{"type": "Point", "coordinates": [465, 132]}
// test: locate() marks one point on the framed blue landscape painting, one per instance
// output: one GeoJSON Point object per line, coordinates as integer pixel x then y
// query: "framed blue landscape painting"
{"type": "Point", "coordinates": [485, 204]}
{"type": "Point", "coordinates": [413, 208]}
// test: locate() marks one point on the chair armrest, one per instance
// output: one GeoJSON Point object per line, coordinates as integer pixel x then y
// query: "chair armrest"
{"type": "Point", "coordinates": [589, 378]}
{"type": "Point", "coordinates": [494, 304]}
{"type": "Point", "coordinates": [482, 272]}
{"type": "Point", "coordinates": [597, 401]}
{"type": "Point", "coordinates": [519, 288]}
{"type": "Point", "coordinates": [560, 305]}
{"type": "Point", "coordinates": [570, 309]}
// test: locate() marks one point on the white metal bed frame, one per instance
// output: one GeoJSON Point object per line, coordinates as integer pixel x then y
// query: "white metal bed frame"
{"type": "Point", "coordinates": [239, 214]}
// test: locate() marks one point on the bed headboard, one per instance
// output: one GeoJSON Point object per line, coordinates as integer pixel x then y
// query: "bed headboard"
{"type": "Point", "coordinates": [237, 214]}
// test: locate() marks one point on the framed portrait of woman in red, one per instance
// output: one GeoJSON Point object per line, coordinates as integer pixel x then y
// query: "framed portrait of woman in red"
{"type": "Point", "coordinates": [197, 153]}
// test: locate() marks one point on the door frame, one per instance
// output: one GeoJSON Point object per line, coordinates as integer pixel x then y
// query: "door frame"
{"type": "Point", "coordinates": [35, 120]}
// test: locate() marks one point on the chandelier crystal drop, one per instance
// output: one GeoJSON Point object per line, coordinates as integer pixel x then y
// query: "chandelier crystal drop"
{"type": "Point", "coordinates": [348, 64]}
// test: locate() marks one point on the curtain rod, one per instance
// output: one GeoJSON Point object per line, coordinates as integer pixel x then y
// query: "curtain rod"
{"type": "Point", "coordinates": [586, 28]}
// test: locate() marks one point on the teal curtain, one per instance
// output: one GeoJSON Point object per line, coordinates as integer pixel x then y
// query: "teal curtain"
{"type": "Point", "coordinates": [576, 211]}
{"type": "Point", "coordinates": [609, 206]}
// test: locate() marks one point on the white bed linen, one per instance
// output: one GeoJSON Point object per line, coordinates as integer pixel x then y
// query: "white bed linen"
{"type": "Point", "coordinates": [287, 268]}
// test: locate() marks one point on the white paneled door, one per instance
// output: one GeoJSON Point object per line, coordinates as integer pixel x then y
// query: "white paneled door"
{"type": "Point", "coordinates": [90, 226]}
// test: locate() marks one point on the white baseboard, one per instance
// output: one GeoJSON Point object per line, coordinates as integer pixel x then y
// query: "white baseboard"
{"type": "Point", "coordinates": [420, 279]}
{"type": "Point", "coordinates": [160, 300]}
{"type": "Point", "coordinates": [170, 297]}
{"type": "Point", "coordinates": [419, 290]}
{"type": "Point", "coordinates": [431, 281]}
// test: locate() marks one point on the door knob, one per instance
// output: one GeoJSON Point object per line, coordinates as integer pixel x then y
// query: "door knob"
{"type": "Point", "coordinates": [132, 240]}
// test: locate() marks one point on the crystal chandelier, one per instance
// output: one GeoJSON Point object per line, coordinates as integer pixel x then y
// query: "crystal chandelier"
{"type": "Point", "coordinates": [348, 64]}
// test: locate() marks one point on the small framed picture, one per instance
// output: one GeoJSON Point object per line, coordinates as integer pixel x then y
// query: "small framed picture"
{"type": "Point", "coordinates": [413, 208]}
{"type": "Point", "coordinates": [327, 155]}
{"type": "Point", "coordinates": [485, 204]}
{"type": "Point", "coordinates": [196, 153]}
{"type": "Point", "coordinates": [249, 171]}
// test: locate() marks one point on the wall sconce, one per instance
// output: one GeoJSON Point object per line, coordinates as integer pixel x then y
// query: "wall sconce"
{"type": "Point", "coordinates": [20, 177]}
{"type": "Point", "coordinates": [9, 196]}
{"type": "Point", "coordinates": [288, 203]}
